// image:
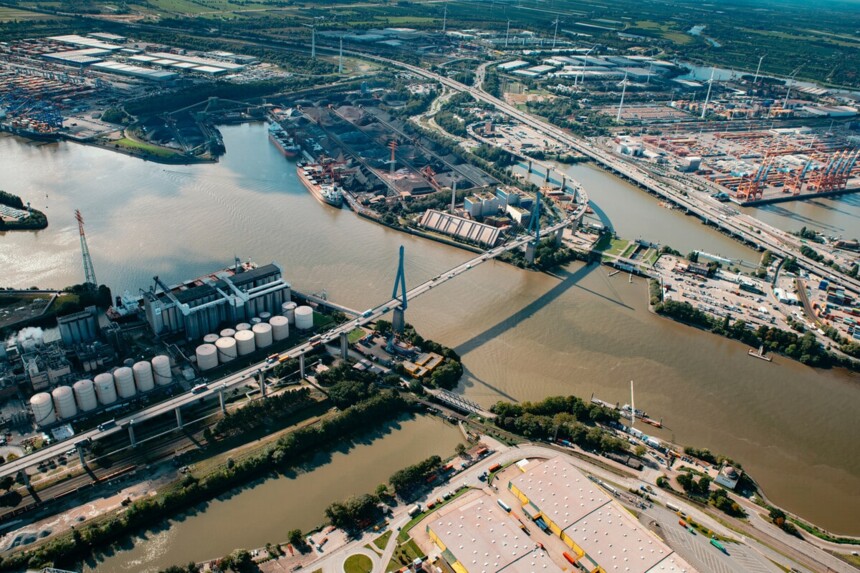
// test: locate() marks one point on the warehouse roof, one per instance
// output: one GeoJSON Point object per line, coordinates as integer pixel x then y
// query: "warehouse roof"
{"type": "Point", "coordinates": [482, 537]}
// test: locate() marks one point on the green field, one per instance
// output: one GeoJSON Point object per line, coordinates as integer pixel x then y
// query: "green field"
{"type": "Point", "coordinates": [145, 148]}
{"type": "Point", "coordinates": [358, 564]}
{"type": "Point", "coordinates": [16, 15]}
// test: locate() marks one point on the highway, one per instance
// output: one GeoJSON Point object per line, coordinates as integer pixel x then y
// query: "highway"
{"type": "Point", "coordinates": [743, 226]}
{"type": "Point", "coordinates": [246, 375]}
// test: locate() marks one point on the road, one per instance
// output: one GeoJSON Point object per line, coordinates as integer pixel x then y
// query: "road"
{"type": "Point", "coordinates": [248, 374]}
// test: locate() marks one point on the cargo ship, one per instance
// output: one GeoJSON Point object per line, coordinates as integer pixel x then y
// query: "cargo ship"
{"type": "Point", "coordinates": [321, 183]}
{"type": "Point", "coordinates": [282, 141]}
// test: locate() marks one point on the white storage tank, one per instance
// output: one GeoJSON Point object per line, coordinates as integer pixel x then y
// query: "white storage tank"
{"type": "Point", "coordinates": [85, 394]}
{"type": "Point", "coordinates": [43, 409]}
{"type": "Point", "coordinates": [227, 332]}
{"type": "Point", "coordinates": [105, 389]}
{"type": "Point", "coordinates": [161, 370]}
{"type": "Point", "coordinates": [304, 317]}
{"type": "Point", "coordinates": [210, 338]}
{"type": "Point", "coordinates": [245, 342]}
{"type": "Point", "coordinates": [262, 334]}
{"type": "Point", "coordinates": [207, 357]}
{"type": "Point", "coordinates": [280, 327]}
{"type": "Point", "coordinates": [64, 402]}
{"type": "Point", "coordinates": [288, 309]}
{"type": "Point", "coordinates": [242, 326]}
{"type": "Point", "coordinates": [124, 380]}
{"type": "Point", "coordinates": [143, 378]}
{"type": "Point", "coordinates": [226, 349]}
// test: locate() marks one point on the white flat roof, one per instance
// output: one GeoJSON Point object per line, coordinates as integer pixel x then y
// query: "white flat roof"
{"type": "Point", "coordinates": [200, 61]}
{"type": "Point", "coordinates": [483, 537]}
{"type": "Point", "coordinates": [76, 40]}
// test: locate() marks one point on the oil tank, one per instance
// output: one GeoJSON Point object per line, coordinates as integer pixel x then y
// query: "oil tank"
{"type": "Point", "coordinates": [124, 380]}
{"type": "Point", "coordinates": [143, 377]}
{"type": "Point", "coordinates": [43, 409]}
{"type": "Point", "coordinates": [105, 390]}
{"type": "Point", "coordinates": [242, 326]}
{"type": "Point", "coordinates": [262, 334]}
{"type": "Point", "coordinates": [228, 332]}
{"type": "Point", "coordinates": [64, 402]}
{"type": "Point", "coordinates": [265, 316]}
{"type": "Point", "coordinates": [226, 349]}
{"type": "Point", "coordinates": [128, 362]}
{"type": "Point", "coordinates": [210, 338]}
{"type": "Point", "coordinates": [207, 357]}
{"type": "Point", "coordinates": [161, 370]}
{"type": "Point", "coordinates": [280, 327]}
{"type": "Point", "coordinates": [256, 320]}
{"type": "Point", "coordinates": [85, 393]}
{"type": "Point", "coordinates": [304, 317]}
{"type": "Point", "coordinates": [288, 309]}
{"type": "Point", "coordinates": [245, 342]}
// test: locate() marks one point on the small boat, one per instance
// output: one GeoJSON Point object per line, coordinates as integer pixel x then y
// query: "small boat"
{"type": "Point", "coordinates": [655, 423]}
{"type": "Point", "coordinates": [760, 354]}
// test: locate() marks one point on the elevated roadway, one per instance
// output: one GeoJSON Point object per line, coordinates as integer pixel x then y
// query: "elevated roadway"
{"type": "Point", "coordinates": [216, 389]}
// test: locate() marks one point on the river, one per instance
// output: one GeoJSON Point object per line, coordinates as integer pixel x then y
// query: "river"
{"type": "Point", "coordinates": [522, 335]}
{"type": "Point", "coordinates": [266, 511]}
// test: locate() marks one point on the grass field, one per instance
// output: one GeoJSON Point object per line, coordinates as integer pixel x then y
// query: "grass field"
{"type": "Point", "coordinates": [355, 335]}
{"type": "Point", "coordinates": [16, 15]}
{"type": "Point", "coordinates": [382, 540]}
{"type": "Point", "coordinates": [358, 564]}
{"type": "Point", "coordinates": [142, 147]}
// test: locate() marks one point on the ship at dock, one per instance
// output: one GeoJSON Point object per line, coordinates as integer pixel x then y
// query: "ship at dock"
{"type": "Point", "coordinates": [282, 141]}
{"type": "Point", "coordinates": [321, 179]}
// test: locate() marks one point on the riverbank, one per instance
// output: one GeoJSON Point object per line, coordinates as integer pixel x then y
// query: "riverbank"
{"type": "Point", "coordinates": [17, 216]}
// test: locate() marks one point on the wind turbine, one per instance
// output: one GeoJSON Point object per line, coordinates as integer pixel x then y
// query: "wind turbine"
{"type": "Point", "coordinates": [445, 19]}
{"type": "Point", "coordinates": [621, 104]}
{"type": "Point", "coordinates": [555, 34]}
{"type": "Point", "coordinates": [758, 69]}
{"type": "Point", "coordinates": [708, 96]}
{"type": "Point", "coordinates": [585, 63]}
{"type": "Point", "coordinates": [507, 33]}
{"type": "Point", "coordinates": [790, 83]}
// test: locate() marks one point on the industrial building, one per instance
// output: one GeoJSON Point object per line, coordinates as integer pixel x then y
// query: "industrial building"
{"type": "Point", "coordinates": [479, 536]}
{"type": "Point", "coordinates": [204, 305]}
{"type": "Point", "coordinates": [460, 227]}
{"type": "Point", "coordinates": [602, 535]}
{"type": "Point", "coordinates": [80, 327]}
{"type": "Point", "coordinates": [135, 71]}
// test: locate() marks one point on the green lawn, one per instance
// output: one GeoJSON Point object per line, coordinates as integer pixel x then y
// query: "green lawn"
{"type": "Point", "coordinates": [16, 15]}
{"type": "Point", "coordinates": [382, 540]}
{"type": "Point", "coordinates": [358, 564]}
{"type": "Point", "coordinates": [148, 148]}
{"type": "Point", "coordinates": [356, 335]}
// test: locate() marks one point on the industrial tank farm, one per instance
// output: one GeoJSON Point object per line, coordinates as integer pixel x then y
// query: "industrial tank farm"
{"type": "Point", "coordinates": [85, 393]}
{"type": "Point", "coordinates": [105, 389]}
{"type": "Point", "coordinates": [143, 378]}
{"type": "Point", "coordinates": [207, 357]}
{"type": "Point", "coordinates": [304, 318]}
{"type": "Point", "coordinates": [64, 402]}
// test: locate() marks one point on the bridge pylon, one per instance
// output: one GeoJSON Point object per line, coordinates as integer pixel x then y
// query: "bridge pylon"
{"type": "Point", "coordinates": [534, 228]}
{"type": "Point", "coordinates": [398, 322]}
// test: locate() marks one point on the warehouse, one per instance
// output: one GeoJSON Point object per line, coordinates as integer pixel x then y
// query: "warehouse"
{"type": "Point", "coordinates": [83, 42]}
{"type": "Point", "coordinates": [599, 531]}
{"type": "Point", "coordinates": [460, 227]}
{"type": "Point", "coordinates": [478, 536]}
{"type": "Point", "coordinates": [81, 58]}
{"type": "Point", "coordinates": [134, 71]}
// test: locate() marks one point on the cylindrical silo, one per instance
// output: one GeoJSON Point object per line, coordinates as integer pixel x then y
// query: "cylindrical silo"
{"type": "Point", "coordinates": [128, 362]}
{"type": "Point", "coordinates": [256, 320]}
{"type": "Point", "coordinates": [228, 332]}
{"type": "Point", "coordinates": [210, 338]}
{"type": "Point", "coordinates": [245, 342]}
{"type": "Point", "coordinates": [143, 378]}
{"type": "Point", "coordinates": [242, 326]}
{"type": "Point", "coordinates": [105, 389]}
{"type": "Point", "coordinates": [304, 318]}
{"type": "Point", "coordinates": [85, 393]}
{"type": "Point", "coordinates": [226, 349]}
{"type": "Point", "coordinates": [262, 334]}
{"type": "Point", "coordinates": [161, 370]}
{"type": "Point", "coordinates": [207, 357]}
{"type": "Point", "coordinates": [64, 402]}
{"type": "Point", "coordinates": [124, 380]}
{"type": "Point", "coordinates": [280, 327]}
{"type": "Point", "coordinates": [288, 309]}
{"type": "Point", "coordinates": [43, 409]}
{"type": "Point", "coordinates": [265, 316]}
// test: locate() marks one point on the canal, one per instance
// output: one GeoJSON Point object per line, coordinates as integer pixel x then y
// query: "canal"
{"type": "Point", "coordinates": [522, 335]}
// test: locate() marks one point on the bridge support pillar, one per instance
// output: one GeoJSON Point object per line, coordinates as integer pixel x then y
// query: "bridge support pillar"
{"type": "Point", "coordinates": [221, 400]}
{"type": "Point", "coordinates": [546, 178]}
{"type": "Point", "coordinates": [398, 320]}
{"type": "Point", "coordinates": [344, 345]}
{"type": "Point", "coordinates": [178, 413]}
{"type": "Point", "coordinates": [302, 366]}
{"type": "Point", "coordinates": [80, 449]}
{"type": "Point", "coordinates": [261, 379]}
{"type": "Point", "coordinates": [563, 182]}
{"type": "Point", "coordinates": [530, 252]}
{"type": "Point", "coordinates": [558, 236]}
{"type": "Point", "coordinates": [131, 435]}
{"type": "Point", "coordinates": [24, 478]}
{"type": "Point", "coordinates": [530, 166]}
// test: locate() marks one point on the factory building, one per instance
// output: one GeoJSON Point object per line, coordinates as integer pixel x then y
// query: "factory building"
{"type": "Point", "coordinates": [208, 303]}
{"type": "Point", "coordinates": [80, 327]}
{"type": "Point", "coordinates": [602, 535]}
{"type": "Point", "coordinates": [481, 205]}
